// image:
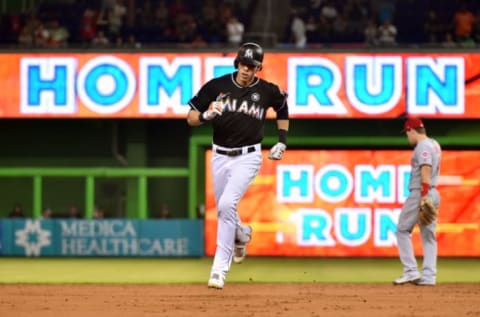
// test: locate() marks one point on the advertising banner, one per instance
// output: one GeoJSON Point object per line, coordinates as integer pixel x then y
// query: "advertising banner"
{"type": "Point", "coordinates": [159, 85]}
{"type": "Point", "coordinates": [111, 238]}
{"type": "Point", "coordinates": [347, 203]}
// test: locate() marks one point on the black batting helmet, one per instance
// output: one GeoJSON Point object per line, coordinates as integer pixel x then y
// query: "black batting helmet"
{"type": "Point", "coordinates": [249, 54]}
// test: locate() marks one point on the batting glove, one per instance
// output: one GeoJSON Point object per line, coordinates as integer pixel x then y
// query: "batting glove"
{"type": "Point", "coordinates": [276, 152]}
{"type": "Point", "coordinates": [216, 109]}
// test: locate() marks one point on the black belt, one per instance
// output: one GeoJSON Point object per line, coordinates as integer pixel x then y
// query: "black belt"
{"type": "Point", "coordinates": [237, 152]}
{"type": "Point", "coordinates": [431, 187]}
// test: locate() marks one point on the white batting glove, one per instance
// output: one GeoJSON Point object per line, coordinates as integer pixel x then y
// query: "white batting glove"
{"type": "Point", "coordinates": [216, 109]}
{"type": "Point", "coordinates": [276, 152]}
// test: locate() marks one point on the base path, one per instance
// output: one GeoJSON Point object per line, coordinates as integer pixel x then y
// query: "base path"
{"type": "Point", "coordinates": [250, 299]}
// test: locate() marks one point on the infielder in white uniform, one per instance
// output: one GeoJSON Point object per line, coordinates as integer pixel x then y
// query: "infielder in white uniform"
{"type": "Point", "coordinates": [236, 106]}
{"type": "Point", "coordinates": [423, 179]}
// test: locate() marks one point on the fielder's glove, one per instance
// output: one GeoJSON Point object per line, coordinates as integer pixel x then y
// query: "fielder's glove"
{"type": "Point", "coordinates": [427, 213]}
{"type": "Point", "coordinates": [276, 152]}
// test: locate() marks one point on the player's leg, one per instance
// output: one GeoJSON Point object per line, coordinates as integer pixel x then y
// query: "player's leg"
{"type": "Point", "coordinates": [407, 220]}
{"type": "Point", "coordinates": [220, 172]}
{"type": "Point", "coordinates": [243, 233]}
{"type": "Point", "coordinates": [245, 168]}
{"type": "Point", "coordinates": [429, 242]}
{"type": "Point", "coordinates": [241, 172]}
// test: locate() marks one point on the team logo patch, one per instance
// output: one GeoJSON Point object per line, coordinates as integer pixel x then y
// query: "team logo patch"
{"type": "Point", "coordinates": [425, 154]}
{"type": "Point", "coordinates": [248, 53]}
{"type": "Point", "coordinates": [255, 97]}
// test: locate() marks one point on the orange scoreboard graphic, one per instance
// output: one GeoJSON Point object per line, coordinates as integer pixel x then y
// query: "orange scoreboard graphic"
{"type": "Point", "coordinates": [347, 203]}
{"type": "Point", "coordinates": [159, 85]}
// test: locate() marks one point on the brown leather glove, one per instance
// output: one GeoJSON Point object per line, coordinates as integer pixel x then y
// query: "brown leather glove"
{"type": "Point", "coordinates": [427, 213]}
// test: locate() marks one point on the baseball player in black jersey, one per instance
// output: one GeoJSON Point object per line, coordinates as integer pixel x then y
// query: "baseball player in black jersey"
{"type": "Point", "coordinates": [236, 106]}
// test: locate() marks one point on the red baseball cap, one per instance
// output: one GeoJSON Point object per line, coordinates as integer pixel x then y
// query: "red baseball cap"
{"type": "Point", "coordinates": [412, 123]}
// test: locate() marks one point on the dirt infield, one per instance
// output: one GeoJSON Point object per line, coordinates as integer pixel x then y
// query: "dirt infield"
{"type": "Point", "coordinates": [305, 300]}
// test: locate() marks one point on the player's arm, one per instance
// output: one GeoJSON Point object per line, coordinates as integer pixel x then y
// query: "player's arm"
{"type": "Point", "coordinates": [283, 123]}
{"type": "Point", "coordinates": [425, 177]}
{"type": "Point", "coordinates": [204, 107]}
{"type": "Point", "coordinates": [196, 118]}
{"type": "Point", "coordinates": [193, 118]}
{"type": "Point", "coordinates": [276, 152]}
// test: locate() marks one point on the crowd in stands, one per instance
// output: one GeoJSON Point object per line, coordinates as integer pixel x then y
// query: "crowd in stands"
{"type": "Point", "coordinates": [202, 23]}
{"type": "Point", "coordinates": [440, 23]}
{"type": "Point", "coordinates": [73, 212]}
{"type": "Point", "coordinates": [126, 24]}
{"type": "Point", "coordinates": [48, 213]}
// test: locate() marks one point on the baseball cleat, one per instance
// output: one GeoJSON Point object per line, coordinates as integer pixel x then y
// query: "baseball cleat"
{"type": "Point", "coordinates": [424, 282]}
{"type": "Point", "coordinates": [239, 253]}
{"type": "Point", "coordinates": [243, 237]}
{"type": "Point", "coordinates": [216, 281]}
{"type": "Point", "coordinates": [406, 279]}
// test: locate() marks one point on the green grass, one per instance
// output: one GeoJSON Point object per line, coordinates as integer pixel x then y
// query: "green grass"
{"type": "Point", "coordinates": [196, 270]}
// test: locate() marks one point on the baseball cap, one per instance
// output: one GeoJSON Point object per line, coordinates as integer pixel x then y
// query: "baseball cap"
{"type": "Point", "coordinates": [412, 123]}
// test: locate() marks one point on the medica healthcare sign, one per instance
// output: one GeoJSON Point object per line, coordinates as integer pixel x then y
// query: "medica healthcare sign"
{"type": "Point", "coordinates": [159, 85]}
{"type": "Point", "coordinates": [347, 203]}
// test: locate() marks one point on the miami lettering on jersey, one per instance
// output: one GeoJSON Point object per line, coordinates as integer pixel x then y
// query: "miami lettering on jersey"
{"type": "Point", "coordinates": [250, 109]}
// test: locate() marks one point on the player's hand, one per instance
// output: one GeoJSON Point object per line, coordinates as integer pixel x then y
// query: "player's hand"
{"type": "Point", "coordinates": [216, 109]}
{"type": "Point", "coordinates": [276, 152]}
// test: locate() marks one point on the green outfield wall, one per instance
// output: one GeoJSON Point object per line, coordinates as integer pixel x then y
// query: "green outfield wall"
{"type": "Point", "coordinates": [132, 168]}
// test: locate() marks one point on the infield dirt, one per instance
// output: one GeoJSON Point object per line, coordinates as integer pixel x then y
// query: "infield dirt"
{"type": "Point", "coordinates": [250, 299]}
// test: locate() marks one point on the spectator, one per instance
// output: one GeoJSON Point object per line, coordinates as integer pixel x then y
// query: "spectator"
{"type": "Point", "coordinates": [132, 42]}
{"type": "Point", "coordinates": [371, 33]}
{"type": "Point", "coordinates": [161, 13]}
{"type": "Point", "coordinates": [235, 30]}
{"type": "Point", "coordinates": [164, 212]}
{"type": "Point", "coordinates": [329, 11]}
{"type": "Point", "coordinates": [98, 213]}
{"type": "Point", "coordinates": [199, 41]}
{"type": "Point", "coordinates": [14, 27]}
{"type": "Point", "coordinates": [58, 34]}
{"type": "Point", "coordinates": [73, 212]}
{"type": "Point", "coordinates": [88, 26]}
{"type": "Point", "coordinates": [25, 38]}
{"type": "Point", "coordinates": [387, 33]}
{"type": "Point", "coordinates": [463, 22]}
{"type": "Point", "coordinates": [119, 41]}
{"type": "Point", "coordinates": [298, 30]}
{"type": "Point", "coordinates": [432, 28]}
{"type": "Point", "coordinates": [41, 36]}
{"type": "Point", "coordinates": [100, 40]}
{"type": "Point", "coordinates": [16, 212]}
{"type": "Point", "coordinates": [116, 15]}
{"type": "Point", "coordinates": [448, 42]}
{"type": "Point", "coordinates": [47, 213]}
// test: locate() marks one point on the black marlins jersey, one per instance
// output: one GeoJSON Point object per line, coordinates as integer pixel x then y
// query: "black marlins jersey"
{"type": "Point", "coordinates": [242, 123]}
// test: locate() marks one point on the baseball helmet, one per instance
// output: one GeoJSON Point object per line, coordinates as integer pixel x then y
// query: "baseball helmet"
{"type": "Point", "coordinates": [249, 54]}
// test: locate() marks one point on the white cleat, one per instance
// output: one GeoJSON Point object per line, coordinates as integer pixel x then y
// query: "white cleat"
{"type": "Point", "coordinates": [404, 279]}
{"type": "Point", "coordinates": [424, 282]}
{"type": "Point", "coordinates": [216, 281]}
{"type": "Point", "coordinates": [242, 237]}
{"type": "Point", "coordinates": [239, 253]}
